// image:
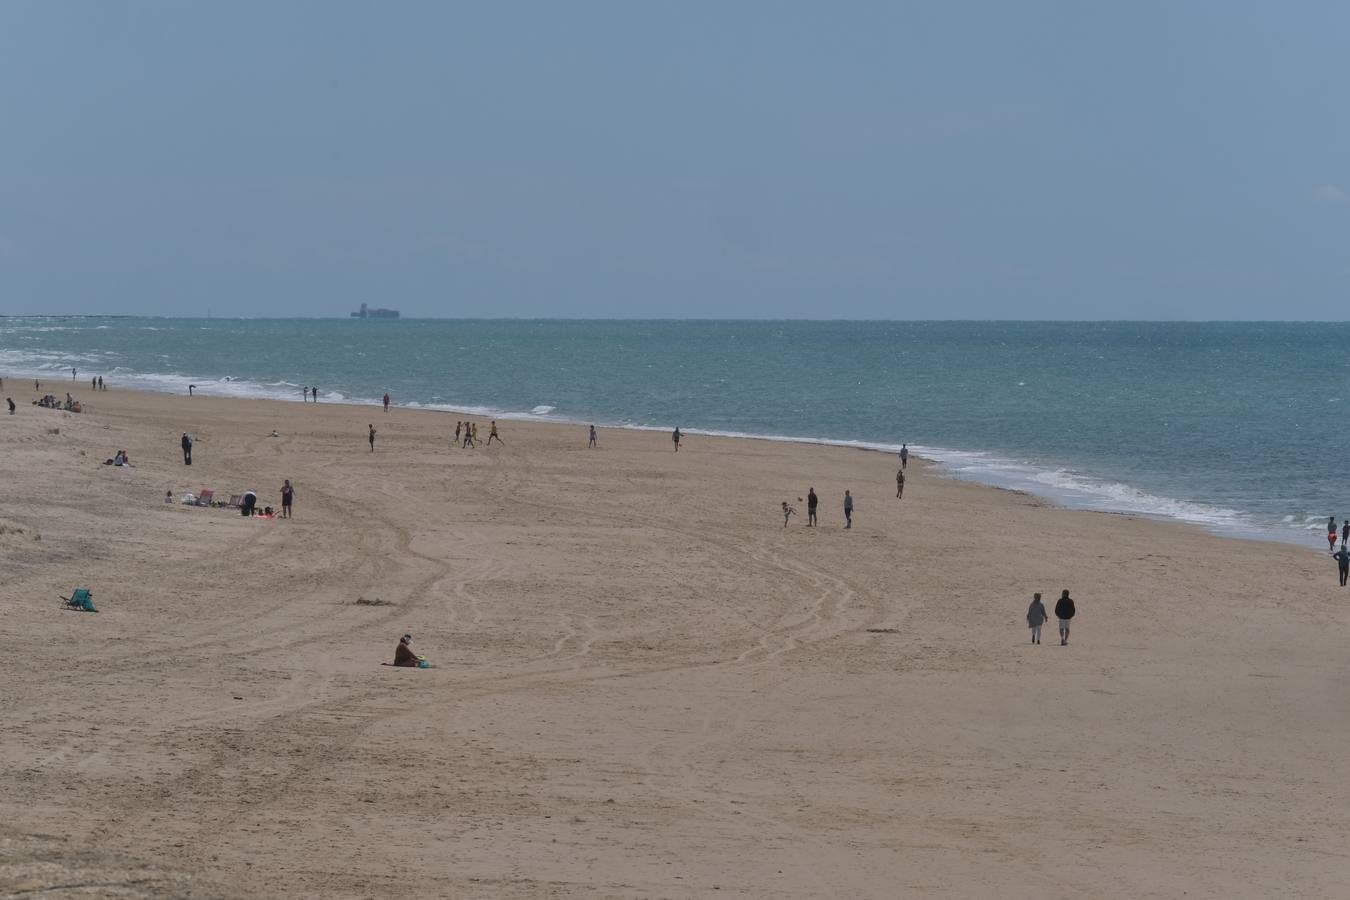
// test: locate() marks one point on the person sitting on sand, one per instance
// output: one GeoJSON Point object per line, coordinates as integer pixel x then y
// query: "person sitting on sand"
{"type": "Point", "coordinates": [403, 655]}
{"type": "Point", "coordinates": [168, 496]}
{"type": "Point", "coordinates": [788, 512]}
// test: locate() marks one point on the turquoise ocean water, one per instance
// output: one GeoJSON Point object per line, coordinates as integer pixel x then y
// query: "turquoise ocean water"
{"type": "Point", "coordinates": [1235, 426]}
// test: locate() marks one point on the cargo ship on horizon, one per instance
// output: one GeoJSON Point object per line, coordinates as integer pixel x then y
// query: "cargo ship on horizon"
{"type": "Point", "coordinates": [366, 312]}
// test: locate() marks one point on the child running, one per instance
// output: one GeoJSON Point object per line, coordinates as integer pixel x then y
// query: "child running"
{"type": "Point", "coordinates": [788, 513]}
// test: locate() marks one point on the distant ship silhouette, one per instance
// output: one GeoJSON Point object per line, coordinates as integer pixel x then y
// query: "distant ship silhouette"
{"type": "Point", "coordinates": [366, 312]}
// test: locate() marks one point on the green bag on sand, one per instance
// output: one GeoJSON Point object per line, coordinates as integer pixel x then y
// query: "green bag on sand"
{"type": "Point", "coordinates": [82, 600]}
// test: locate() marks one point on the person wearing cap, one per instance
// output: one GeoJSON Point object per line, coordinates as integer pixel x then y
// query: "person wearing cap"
{"type": "Point", "coordinates": [403, 655]}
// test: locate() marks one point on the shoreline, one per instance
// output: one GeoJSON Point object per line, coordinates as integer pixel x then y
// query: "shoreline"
{"type": "Point", "coordinates": [1221, 522]}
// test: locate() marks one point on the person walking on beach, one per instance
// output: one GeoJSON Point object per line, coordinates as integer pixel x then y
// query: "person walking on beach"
{"type": "Point", "coordinates": [287, 495]}
{"type": "Point", "coordinates": [73, 374]}
{"type": "Point", "coordinates": [1064, 611]}
{"type": "Point", "coordinates": [474, 429]}
{"type": "Point", "coordinates": [1036, 617]}
{"type": "Point", "coordinates": [386, 404]}
{"type": "Point", "coordinates": [371, 438]}
{"type": "Point", "coordinates": [676, 437]}
{"type": "Point", "coordinates": [904, 455]}
{"type": "Point", "coordinates": [848, 509]}
{"type": "Point", "coordinates": [900, 482]}
{"type": "Point", "coordinates": [788, 513]}
{"type": "Point", "coordinates": [492, 434]}
{"type": "Point", "coordinates": [186, 443]}
{"type": "Point", "coordinates": [591, 445]}
{"type": "Point", "coordinates": [36, 385]}
{"type": "Point", "coordinates": [1331, 532]}
{"type": "Point", "coordinates": [10, 401]}
{"type": "Point", "coordinates": [1342, 557]}
{"type": "Point", "coordinates": [468, 436]}
{"type": "Point", "coordinates": [1345, 532]}
{"type": "Point", "coordinates": [457, 425]}
{"type": "Point", "coordinates": [811, 501]}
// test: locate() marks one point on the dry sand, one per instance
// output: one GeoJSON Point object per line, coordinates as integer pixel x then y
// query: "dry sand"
{"type": "Point", "coordinates": [643, 686]}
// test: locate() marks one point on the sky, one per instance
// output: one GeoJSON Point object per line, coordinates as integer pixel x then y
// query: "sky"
{"type": "Point", "coordinates": [1030, 160]}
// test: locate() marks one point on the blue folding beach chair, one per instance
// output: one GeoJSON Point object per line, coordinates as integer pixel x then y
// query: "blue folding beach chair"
{"type": "Point", "coordinates": [81, 600]}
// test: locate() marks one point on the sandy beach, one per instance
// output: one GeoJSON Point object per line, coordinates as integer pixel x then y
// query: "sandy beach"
{"type": "Point", "coordinates": [642, 684]}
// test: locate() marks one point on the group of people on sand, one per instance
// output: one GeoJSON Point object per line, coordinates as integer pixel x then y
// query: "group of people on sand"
{"type": "Point", "coordinates": [120, 458]}
{"type": "Point", "coordinates": [49, 401]}
{"type": "Point", "coordinates": [1342, 556]}
{"type": "Point", "coordinates": [311, 393]}
{"type": "Point", "coordinates": [812, 504]}
{"type": "Point", "coordinates": [96, 384]}
{"type": "Point", "coordinates": [468, 431]}
{"type": "Point", "coordinates": [1064, 613]}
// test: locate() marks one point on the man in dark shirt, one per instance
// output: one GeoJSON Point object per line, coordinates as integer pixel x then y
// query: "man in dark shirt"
{"type": "Point", "coordinates": [1342, 557]}
{"type": "Point", "coordinates": [1064, 611]}
{"type": "Point", "coordinates": [187, 449]}
{"type": "Point", "coordinates": [811, 501]}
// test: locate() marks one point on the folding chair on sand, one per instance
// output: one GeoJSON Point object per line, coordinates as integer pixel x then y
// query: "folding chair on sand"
{"type": "Point", "coordinates": [236, 501]}
{"type": "Point", "coordinates": [204, 497]}
{"type": "Point", "coordinates": [81, 600]}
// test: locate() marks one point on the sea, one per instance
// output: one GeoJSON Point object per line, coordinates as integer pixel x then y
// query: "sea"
{"type": "Point", "coordinates": [1236, 427]}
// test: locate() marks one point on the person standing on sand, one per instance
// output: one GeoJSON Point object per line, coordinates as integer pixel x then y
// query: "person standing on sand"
{"type": "Point", "coordinates": [848, 509]}
{"type": "Point", "coordinates": [36, 385]}
{"type": "Point", "coordinates": [287, 495]}
{"type": "Point", "coordinates": [811, 501]}
{"type": "Point", "coordinates": [314, 392]}
{"type": "Point", "coordinates": [1064, 611]}
{"type": "Point", "coordinates": [186, 444]}
{"type": "Point", "coordinates": [1331, 532]}
{"type": "Point", "coordinates": [10, 401]}
{"type": "Point", "coordinates": [787, 513]}
{"type": "Point", "coordinates": [372, 438]}
{"type": "Point", "coordinates": [73, 374]}
{"type": "Point", "coordinates": [1345, 532]}
{"type": "Point", "coordinates": [900, 482]}
{"type": "Point", "coordinates": [1342, 557]}
{"type": "Point", "coordinates": [1036, 617]}
{"type": "Point", "coordinates": [468, 436]}
{"type": "Point", "coordinates": [492, 434]}
{"type": "Point", "coordinates": [386, 404]}
{"type": "Point", "coordinates": [305, 390]}
{"type": "Point", "coordinates": [474, 429]}
{"type": "Point", "coordinates": [676, 437]}
{"type": "Point", "coordinates": [191, 388]}
{"type": "Point", "coordinates": [904, 455]}
{"type": "Point", "coordinates": [457, 424]}
{"type": "Point", "coordinates": [591, 445]}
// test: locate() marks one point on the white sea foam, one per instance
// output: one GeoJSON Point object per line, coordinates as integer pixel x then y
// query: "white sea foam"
{"type": "Point", "coordinates": [542, 410]}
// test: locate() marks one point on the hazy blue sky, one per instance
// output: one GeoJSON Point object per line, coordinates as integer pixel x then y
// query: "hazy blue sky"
{"type": "Point", "coordinates": [887, 160]}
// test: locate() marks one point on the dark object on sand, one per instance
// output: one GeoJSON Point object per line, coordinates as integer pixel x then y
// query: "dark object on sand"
{"type": "Point", "coordinates": [81, 600]}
